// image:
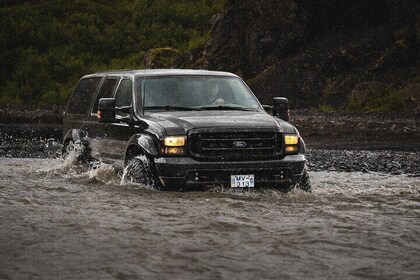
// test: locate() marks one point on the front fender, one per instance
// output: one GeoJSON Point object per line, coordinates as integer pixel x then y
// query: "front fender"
{"type": "Point", "coordinates": [302, 146]}
{"type": "Point", "coordinates": [143, 143]}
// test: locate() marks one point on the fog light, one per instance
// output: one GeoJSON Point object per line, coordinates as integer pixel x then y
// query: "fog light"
{"type": "Point", "coordinates": [291, 149]}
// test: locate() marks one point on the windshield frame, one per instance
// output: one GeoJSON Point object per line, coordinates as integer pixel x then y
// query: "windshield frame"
{"type": "Point", "coordinates": [139, 97]}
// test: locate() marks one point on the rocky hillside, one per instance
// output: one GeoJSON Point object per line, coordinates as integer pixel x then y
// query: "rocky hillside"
{"type": "Point", "coordinates": [356, 54]}
{"type": "Point", "coordinates": [359, 55]}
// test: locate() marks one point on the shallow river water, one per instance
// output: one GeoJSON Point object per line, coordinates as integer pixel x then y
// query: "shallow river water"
{"type": "Point", "coordinates": [63, 221]}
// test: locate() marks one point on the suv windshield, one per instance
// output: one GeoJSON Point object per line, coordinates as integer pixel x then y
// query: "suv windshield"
{"type": "Point", "coordinates": [196, 93]}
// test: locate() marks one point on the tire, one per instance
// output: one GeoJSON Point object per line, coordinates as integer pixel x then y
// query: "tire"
{"type": "Point", "coordinates": [287, 188]}
{"type": "Point", "coordinates": [140, 170]}
{"type": "Point", "coordinates": [81, 149]}
{"type": "Point", "coordinates": [305, 183]}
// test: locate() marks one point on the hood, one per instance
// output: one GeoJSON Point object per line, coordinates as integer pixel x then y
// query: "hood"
{"type": "Point", "coordinates": [180, 122]}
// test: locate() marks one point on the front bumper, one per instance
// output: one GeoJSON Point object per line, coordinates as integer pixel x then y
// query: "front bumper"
{"type": "Point", "coordinates": [268, 173]}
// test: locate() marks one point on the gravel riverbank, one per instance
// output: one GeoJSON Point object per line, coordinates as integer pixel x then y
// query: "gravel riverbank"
{"type": "Point", "coordinates": [336, 141]}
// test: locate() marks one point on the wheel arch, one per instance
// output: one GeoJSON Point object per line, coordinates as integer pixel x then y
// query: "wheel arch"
{"type": "Point", "coordinates": [74, 134]}
{"type": "Point", "coordinates": [140, 144]}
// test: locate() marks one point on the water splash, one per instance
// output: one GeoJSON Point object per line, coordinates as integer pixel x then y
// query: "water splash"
{"type": "Point", "coordinates": [73, 153]}
{"type": "Point", "coordinates": [103, 173]}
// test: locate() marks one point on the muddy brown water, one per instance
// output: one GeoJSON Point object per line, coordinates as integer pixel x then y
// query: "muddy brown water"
{"type": "Point", "coordinates": [59, 220]}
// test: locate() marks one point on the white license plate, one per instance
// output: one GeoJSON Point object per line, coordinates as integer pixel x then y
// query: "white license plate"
{"type": "Point", "coordinates": [242, 181]}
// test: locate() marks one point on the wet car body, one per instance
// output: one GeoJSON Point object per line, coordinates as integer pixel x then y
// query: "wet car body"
{"type": "Point", "coordinates": [218, 142]}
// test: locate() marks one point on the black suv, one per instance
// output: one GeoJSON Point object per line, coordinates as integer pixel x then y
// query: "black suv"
{"type": "Point", "coordinates": [184, 128]}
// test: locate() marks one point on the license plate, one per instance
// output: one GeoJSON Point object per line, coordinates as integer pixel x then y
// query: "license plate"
{"type": "Point", "coordinates": [242, 181]}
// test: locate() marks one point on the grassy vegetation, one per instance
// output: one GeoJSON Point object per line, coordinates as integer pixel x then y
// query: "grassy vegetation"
{"type": "Point", "coordinates": [48, 45]}
{"type": "Point", "coordinates": [388, 99]}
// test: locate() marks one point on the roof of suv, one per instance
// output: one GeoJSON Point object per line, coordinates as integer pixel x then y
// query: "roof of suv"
{"type": "Point", "coordinates": [165, 72]}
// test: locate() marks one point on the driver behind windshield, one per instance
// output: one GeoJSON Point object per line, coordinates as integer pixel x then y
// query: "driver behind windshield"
{"type": "Point", "coordinates": [213, 95]}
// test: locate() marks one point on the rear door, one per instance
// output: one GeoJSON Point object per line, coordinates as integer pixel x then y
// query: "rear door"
{"type": "Point", "coordinates": [96, 130]}
{"type": "Point", "coordinates": [78, 107]}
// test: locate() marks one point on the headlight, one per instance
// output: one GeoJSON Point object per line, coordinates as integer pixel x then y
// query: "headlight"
{"type": "Point", "coordinates": [174, 145]}
{"type": "Point", "coordinates": [174, 141]}
{"type": "Point", "coordinates": [291, 144]}
{"type": "Point", "coordinates": [291, 139]}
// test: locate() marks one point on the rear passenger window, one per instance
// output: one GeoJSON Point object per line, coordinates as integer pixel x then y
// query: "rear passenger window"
{"type": "Point", "coordinates": [106, 91]}
{"type": "Point", "coordinates": [123, 95]}
{"type": "Point", "coordinates": [82, 96]}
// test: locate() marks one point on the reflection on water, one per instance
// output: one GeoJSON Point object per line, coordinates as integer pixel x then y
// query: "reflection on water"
{"type": "Point", "coordinates": [63, 220]}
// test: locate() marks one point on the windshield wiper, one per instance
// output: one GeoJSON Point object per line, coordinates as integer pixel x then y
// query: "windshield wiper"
{"type": "Point", "coordinates": [175, 108]}
{"type": "Point", "coordinates": [226, 107]}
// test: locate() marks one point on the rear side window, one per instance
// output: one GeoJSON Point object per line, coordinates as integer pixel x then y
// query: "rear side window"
{"type": "Point", "coordinates": [82, 96]}
{"type": "Point", "coordinates": [106, 91]}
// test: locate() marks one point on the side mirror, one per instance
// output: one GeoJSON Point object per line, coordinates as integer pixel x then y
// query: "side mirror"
{"type": "Point", "coordinates": [281, 108]}
{"type": "Point", "coordinates": [106, 110]}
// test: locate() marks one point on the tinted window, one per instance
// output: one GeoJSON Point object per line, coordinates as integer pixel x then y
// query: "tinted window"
{"type": "Point", "coordinates": [106, 91]}
{"type": "Point", "coordinates": [80, 100]}
{"type": "Point", "coordinates": [123, 95]}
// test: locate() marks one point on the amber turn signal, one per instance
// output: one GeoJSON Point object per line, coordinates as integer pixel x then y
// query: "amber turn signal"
{"type": "Point", "coordinates": [173, 151]}
{"type": "Point", "coordinates": [291, 149]}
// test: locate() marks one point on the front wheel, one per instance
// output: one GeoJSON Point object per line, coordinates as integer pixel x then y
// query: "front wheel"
{"type": "Point", "coordinates": [140, 170]}
{"type": "Point", "coordinates": [305, 183]}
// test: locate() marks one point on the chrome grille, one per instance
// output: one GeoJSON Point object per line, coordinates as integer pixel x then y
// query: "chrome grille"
{"type": "Point", "coordinates": [234, 145]}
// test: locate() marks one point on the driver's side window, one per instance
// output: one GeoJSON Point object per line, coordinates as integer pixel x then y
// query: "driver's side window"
{"type": "Point", "coordinates": [123, 96]}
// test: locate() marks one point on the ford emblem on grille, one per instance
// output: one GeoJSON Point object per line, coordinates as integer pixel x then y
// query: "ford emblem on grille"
{"type": "Point", "coordinates": [239, 144]}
